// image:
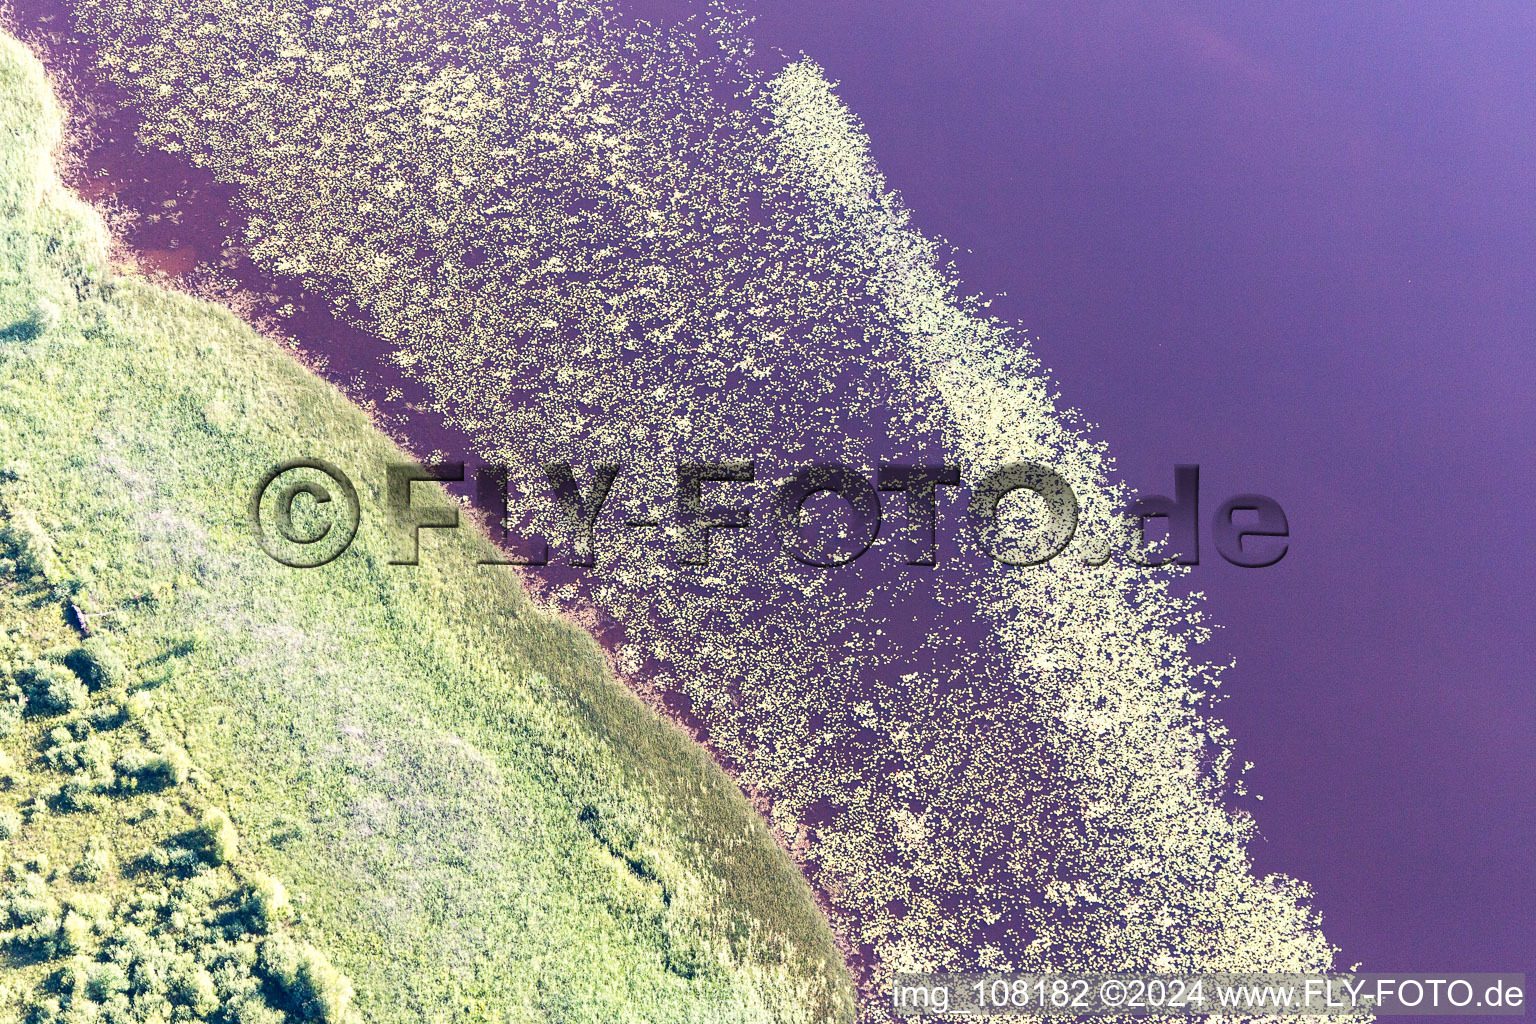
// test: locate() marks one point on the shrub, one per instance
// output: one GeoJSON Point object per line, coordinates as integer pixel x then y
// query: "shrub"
{"type": "Point", "coordinates": [95, 863]}
{"type": "Point", "coordinates": [216, 837]}
{"type": "Point", "coordinates": [10, 716]}
{"type": "Point", "coordinates": [52, 688]}
{"type": "Point", "coordinates": [105, 981]}
{"type": "Point", "coordinates": [686, 956]}
{"type": "Point", "coordinates": [265, 903]}
{"type": "Point", "coordinates": [10, 822]}
{"type": "Point", "coordinates": [177, 858]}
{"type": "Point", "coordinates": [44, 798]}
{"type": "Point", "coordinates": [138, 769]}
{"type": "Point", "coordinates": [31, 546]}
{"type": "Point", "coordinates": [170, 767]}
{"type": "Point", "coordinates": [129, 766]}
{"type": "Point", "coordinates": [192, 986]}
{"type": "Point", "coordinates": [27, 902]}
{"type": "Point", "coordinates": [74, 935]}
{"type": "Point", "coordinates": [254, 1011]}
{"type": "Point", "coordinates": [78, 793]}
{"type": "Point", "coordinates": [43, 316]}
{"type": "Point", "coordinates": [152, 809]}
{"type": "Point", "coordinates": [98, 665]}
{"type": "Point", "coordinates": [133, 945]}
{"type": "Point", "coordinates": [309, 984]}
{"type": "Point", "coordinates": [84, 755]}
{"type": "Point", "coordinates": [70, 980]}
{"type": "Point", "coordinates": [93, 906]}
{"type": "Point", "coordinates": [136, 707]}
{"type": "Point", "coordinates": [218, 416]}
{"type": "Point", "coordinates": [39, 939]}
{"type": "Point", "coordinates": [107, 716]}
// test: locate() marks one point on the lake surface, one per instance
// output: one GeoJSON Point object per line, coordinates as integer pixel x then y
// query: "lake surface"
{"type": "Point", "coordinates": [1297, 245]}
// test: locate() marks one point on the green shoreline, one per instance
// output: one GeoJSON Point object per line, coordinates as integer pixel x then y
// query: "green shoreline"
{"type": "Point", "coordinates": [475, 820]}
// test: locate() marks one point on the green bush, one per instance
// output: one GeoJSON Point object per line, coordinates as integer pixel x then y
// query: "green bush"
{"type": "Point", "coordinates": [313, 988]}
{"type": "Point", "coordinates": [83, 755]}
{"type": "Point", "coordinates": [53, 689]}
{"type": "Point", "coordinates": [27, 901]}
{"type": "Point", "coordinates": [105, 981]}
{"type": "Point", "coordinates": [170, 767]}
{"type": "Point", "coordinates": [95, 863]}
{"type": "Point", "coordinates": [31, 547]}
{"type": "Point", "coordinates": [254, 1011]}
{"type": "Point", "coordinates": [136, 707]}
{"type": "Point", "coordinates": [39, 939]}
{"type": "Point", "coordinates": [107, 715]}
{"type": "Point", "coordinates": [215, 836]}
{"type": "Point", "coordinates": [42, 317]}
{"type": "Point", "coordinates": [218, 416]}
{"type": "Point", "coordinates": [265, 903]}
{"type": "Point", "coordinates": [78, 793]}
{"type": "Point", "coordinates": [192, 986]}
{"type": "Point", "coordinates": [70, 980]}
{"type": "Point", "coordinates": [10, 823]}
{"type": "Point", "coordinates": [138, 769]}
{"type": "Point", "coordinates": [74, 935]}
{"type": "Point", "coordinates": [10, 716]}
{"type": "Point", "coordinates": [98, 665]}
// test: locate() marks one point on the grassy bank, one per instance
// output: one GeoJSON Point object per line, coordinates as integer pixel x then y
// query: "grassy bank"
{"type": "Point", "coordinates": [465, 816]}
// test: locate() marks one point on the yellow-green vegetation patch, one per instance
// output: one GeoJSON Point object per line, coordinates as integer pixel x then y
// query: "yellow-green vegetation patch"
{"type": "Point", "coordinates": [257, 793]}
{"type": "Point", "coordinates": [126, 894]}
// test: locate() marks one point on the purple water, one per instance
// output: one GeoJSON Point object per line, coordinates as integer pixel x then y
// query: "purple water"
{"type": "Point", "coordinates": [1297, 245]}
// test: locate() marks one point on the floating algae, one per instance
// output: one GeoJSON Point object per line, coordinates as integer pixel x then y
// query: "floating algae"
{"type": "Point", "coordinates": [607, 243]}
